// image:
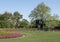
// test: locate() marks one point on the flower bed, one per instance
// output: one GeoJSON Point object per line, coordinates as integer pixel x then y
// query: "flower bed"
{"type": "Point", "coordinates": [6, 35]}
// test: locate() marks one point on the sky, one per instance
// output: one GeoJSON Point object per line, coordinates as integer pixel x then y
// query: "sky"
{"type": "Point", "coordinates": [26, 6]}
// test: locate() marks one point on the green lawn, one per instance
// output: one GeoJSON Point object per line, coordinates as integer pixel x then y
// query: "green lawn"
{"type": "Point", "coordinates": [35, 36]}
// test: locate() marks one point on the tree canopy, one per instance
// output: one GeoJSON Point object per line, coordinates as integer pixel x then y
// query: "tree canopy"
{"type": "Point", "coordinates": [42, 13]}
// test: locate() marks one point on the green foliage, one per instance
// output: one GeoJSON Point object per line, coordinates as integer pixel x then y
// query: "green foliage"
{"type": "Point", "coordinates": [7, 16]}
{"type": "Point", "coordinates": [51, 24]}
{"type": "Point", "coordinates": [7, 20]}
{"type": "Point", "coordinates": [16, 17]}
{"type": "Point", "coordinates": [30, 25]}
{"type": "Point", "coordinates": [4, 32]}
{"type": "Point", "coordinates": [24, 23]}
{"type": "Point", "coordinates": [40, 11]}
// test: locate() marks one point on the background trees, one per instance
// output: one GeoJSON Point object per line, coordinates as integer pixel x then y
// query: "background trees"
{"type": "Point", "coordinates": [51, 24]}
{"type": "Point", "coordinates": [24, 23]}
{"type": "Point", "coordinates": [16, 18]}
{"type": "Point", "coordinates": [42, 14]}
{"type": "Point", "coordinates": [40, 18]}
{"type": "Point", "coordinates": [9, 20]}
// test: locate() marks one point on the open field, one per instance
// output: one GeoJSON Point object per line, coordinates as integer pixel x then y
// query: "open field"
{"type": "Point", "coordinates": [35, 36]}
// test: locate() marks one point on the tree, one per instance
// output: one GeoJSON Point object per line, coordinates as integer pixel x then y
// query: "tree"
{"type": "Point", "coordinates": [1, 20]}
{"type": "Point", "coordinates": [51, 24]}
{"type": "Point", "coordinates": [5, 19]}
{"type": "Point", "coordinates": [39, 13]}
{"type": "Point", "coordinates": [55, 17]}
{"type": "Point", "coordinates": [7, 16]}
{"type": "Point", "coordinates": [16, 17]}
{"type": "Point", "coordinates": [24, 23]}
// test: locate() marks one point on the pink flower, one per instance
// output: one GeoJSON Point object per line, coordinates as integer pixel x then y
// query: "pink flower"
{"type": "Point", "coordinates": [14, 35]}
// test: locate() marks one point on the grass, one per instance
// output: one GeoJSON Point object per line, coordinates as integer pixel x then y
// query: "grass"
{"type": "Point", "coordinates": [35, 36]}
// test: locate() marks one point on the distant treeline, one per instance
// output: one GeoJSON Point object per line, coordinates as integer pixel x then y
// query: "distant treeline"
{"type": "Point", "coordinates": [40, 16]}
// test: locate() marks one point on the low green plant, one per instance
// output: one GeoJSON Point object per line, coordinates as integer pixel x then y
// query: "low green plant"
{"type": "Point", "coordinates": [5, 33]}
